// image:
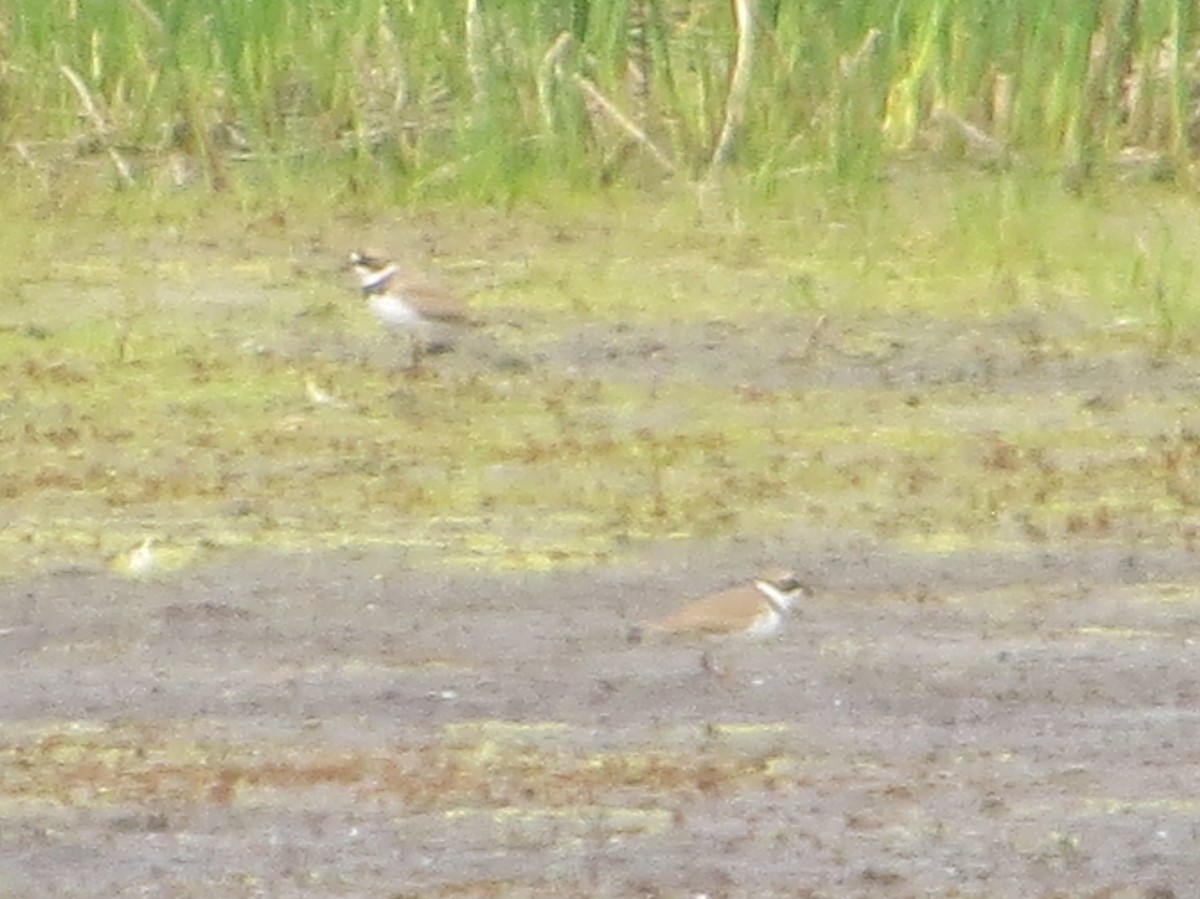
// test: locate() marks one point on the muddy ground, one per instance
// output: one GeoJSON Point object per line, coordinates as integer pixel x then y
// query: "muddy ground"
{"type": "Point", "coordinates": [1015, 722]}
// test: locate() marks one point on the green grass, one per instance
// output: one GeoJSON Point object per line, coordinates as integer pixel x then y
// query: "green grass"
{"type": "Point", "coordinates": [154, 384]}
{"type": "Point", "coordinates": [393, 101]}
{"type": "Point", "coordinates": [899, 169]}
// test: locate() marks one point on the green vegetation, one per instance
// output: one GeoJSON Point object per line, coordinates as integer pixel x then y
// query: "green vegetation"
{"type": "Point", "coordinates": [160, 388]}
{"type": "Point", "coordinates": [916, 273]}
{"type": "Point", "coordinates": [525, 788]}
{"type": "Point", "coordinates": [412, 100]}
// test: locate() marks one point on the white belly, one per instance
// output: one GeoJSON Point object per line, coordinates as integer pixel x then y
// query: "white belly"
{"type": "Point", "coordinates": [394, 312]}
{"type": "Point", "coordinates": [766, 624]}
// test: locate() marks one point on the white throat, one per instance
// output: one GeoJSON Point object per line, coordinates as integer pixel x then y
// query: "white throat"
{"type": "Point", "coordinates": [780, 600]}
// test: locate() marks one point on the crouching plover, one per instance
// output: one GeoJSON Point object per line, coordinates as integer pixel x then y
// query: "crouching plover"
{"type": "Point", "coordinates": [753, 611]}
{"type": "Point", "coordinates": [404, 304]}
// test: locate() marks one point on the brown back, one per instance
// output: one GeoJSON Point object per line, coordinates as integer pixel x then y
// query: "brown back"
{"type": "Point", "coordinates": [730, 610]}
{"type": "Point", "coordinates": [432, 301]}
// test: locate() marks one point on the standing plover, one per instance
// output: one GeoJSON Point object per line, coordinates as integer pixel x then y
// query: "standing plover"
{"type": "Point", "coordinates": [754, 611]}
{"type": "Point", "coordinates": [404, 304]}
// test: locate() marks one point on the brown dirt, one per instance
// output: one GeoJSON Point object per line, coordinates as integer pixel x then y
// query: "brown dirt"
{"type": "Point", "coordinates": [1011, 723]}
{"type": "Point", "coordinates": [1017, 725]}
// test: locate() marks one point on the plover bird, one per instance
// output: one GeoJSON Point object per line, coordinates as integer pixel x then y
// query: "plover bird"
{"type": "Point", "coordinates": [753, 611]}
{"type": "Point", "coordinates": [404, 304]}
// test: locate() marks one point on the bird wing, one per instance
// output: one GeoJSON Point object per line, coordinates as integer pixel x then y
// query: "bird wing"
{"type": "Point", "coordinates": [728, 610]}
